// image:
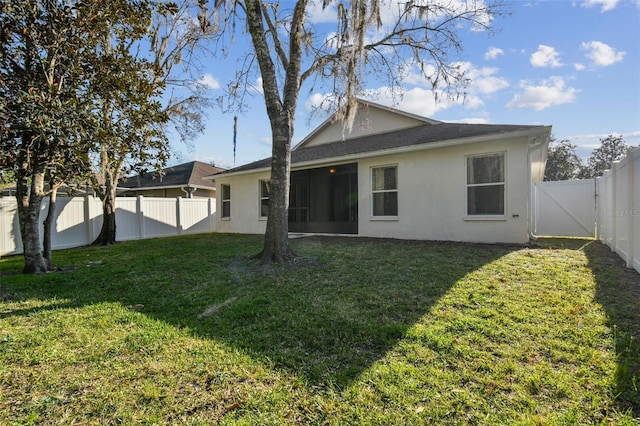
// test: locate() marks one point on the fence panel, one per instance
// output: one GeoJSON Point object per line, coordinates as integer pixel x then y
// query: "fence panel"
{"type": "Point", "coordinates": [634, 190]}
{"type": "Point", "coordinates": [160, 217]}
{"type": "Point", "coordinates": [564, 208]}
{"type": "Point", "coordinates": [9, 227]}
{"type": "Point", "coordinates": [78, 220]}
{"type": "Point", "coordinates": [619, 208]}
{"type": "Point", "coordinates": [69, 220]}
{"type": "Point", "coordinates": [128, 224]}
{"type": "Point", "coordinates": [195, 214]}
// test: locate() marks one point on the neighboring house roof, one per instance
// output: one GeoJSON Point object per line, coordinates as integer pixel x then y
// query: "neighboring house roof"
{"type": "Point", "coordinates": [187, 174]}
{"type": "Point", "coordinates": [414, 138]}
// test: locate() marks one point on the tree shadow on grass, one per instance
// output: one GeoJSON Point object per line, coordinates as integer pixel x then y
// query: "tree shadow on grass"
{"type": "Point", "coordinates": [331, 318]}
{"type": "Point", "coordinates": [618, 291]}
{"type": "Point", "coordinates": [325, 321]}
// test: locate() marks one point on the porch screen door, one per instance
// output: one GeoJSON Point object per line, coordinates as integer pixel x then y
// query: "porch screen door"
{"type": "Point", "coordinates": [299, 203]}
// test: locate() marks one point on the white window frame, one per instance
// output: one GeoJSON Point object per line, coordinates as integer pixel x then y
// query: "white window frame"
{"type": "Point", "coordinates": [373, 216]}
{"type": "Point", "coordinates": [499, 216]}
{"type": "Point", "coordinates": [225, 201]}
{"type": "Point", "coordinates": [261, 198]}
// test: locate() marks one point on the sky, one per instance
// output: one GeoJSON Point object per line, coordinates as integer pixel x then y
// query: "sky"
{"type": "Point", "coordinates": [574, 65]}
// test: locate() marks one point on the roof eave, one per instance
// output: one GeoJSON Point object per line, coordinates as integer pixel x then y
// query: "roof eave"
{"type": "Point", "coordinates": [534, 130]}
{"type": "Point", "coordinates": [421, 147]}
{"type": "Point", "coordinates": [153, 188]}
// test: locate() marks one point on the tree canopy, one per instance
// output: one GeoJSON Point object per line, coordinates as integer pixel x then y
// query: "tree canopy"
{"type": "Point", "coordinates": [562, 161]}
{"type": "Point", "coordinates": [156, 98]}
{"type": "Point", "coordinates": [58, 68]}
{"type": "Point", "coordinates": [612, 148]}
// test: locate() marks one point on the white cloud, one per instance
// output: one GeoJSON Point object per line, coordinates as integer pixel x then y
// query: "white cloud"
{"type": "Point", "coordinates": [587, 142]}
{"type": "Point", "coordinates": [578, 66]}
{"type": "Point", "coordinates": [318, 14]}
{"type": "Point", "coordinates": [413, 75]}
{"type": "Point", "coordinates": [417, 100]}
{"type": "Point", "coordinates": [631, 135]}
{"type": "Point", "coordinates": [321, 104]}
{"type": "Point", "coordinates": [601, 54]}
{"type": "Point", "coordinates": [493, 53]}
{"type": "Point", "coordinates": [265, 140]}
{"type": "Point", "coordinates": [473, 120]}
{"type": "Point", "coordinates": [209, 82]}
{"type": "Point", "coordinates": [597, 136]}
{"type": "Point", "coordinates": [391, 10]}
{"type": "Point", "coordinates": [421, 99]}
{"type": "Point", "coordinates": [550, 92]}
{"type": "Point", "coordinates": [605, 5]}
{"type": "Point", "coordinates": [546, 56]}
{"type": "Point", "coordinates": [484, 81]}
{"type": "Point", "coordinates": [472, 102]}
{"type": "Point", "coordinates": [257, 86]}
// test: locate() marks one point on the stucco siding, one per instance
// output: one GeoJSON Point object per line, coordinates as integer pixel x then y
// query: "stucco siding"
{"type": "Point", "coordinates": [244, 216]}
{"type": "Point", "coordinates": [202, 193]}
{"type": "Point", "coordinates": [368, 121]}
{"type": "Point", "coordinates": [431, 197]}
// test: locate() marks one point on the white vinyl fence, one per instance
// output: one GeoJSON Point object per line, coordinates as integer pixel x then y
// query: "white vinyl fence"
{"type": "Point", "coordinates": [607, 208]}
{"type": "Point", "coordinates": [618, 218]}
{"type": "Point", "coordinates": [78, 220]}
{"type": "Point", "coordinates": [564, 208]}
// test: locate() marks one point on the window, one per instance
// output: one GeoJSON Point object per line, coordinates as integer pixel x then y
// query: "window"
{"type": "Point", "coordinates": [384, 184]}
{"type": "Point", "coordinates": [265, 190]}
{"type": "Point", "coordinates": [485, 185]}
{"type": "Point", "coordinates": [226, 201]}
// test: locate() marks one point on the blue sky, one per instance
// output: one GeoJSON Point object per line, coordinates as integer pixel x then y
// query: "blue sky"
{"type": "Point", "coordinates": [574, 65]}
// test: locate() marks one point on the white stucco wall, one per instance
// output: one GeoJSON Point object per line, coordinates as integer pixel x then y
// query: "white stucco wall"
{"type": "Point", "coordinates": [431, 196]}
{"type": "Point", "coordinates": [368, 121]}
{"type": "Point", "coordinates": [244, 204]}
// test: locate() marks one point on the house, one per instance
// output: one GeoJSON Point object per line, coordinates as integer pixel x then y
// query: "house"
{"type": "Point", "coordinates": [184, 180]}
{"type": "Point", "coordinates": [398, 175]}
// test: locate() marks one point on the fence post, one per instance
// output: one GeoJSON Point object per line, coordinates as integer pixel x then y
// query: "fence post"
{"type": "Point", "coordinates": [614, 198]}
{"type": "Point", "coordinates": [534, 209]}
{"type": "Point", "coordinates": [179, 215]}
{"type": "Point", "coordinates": [630, 204]}
{"type": "Point", "coordinates": [212, 211]}
{"type": "Point", "coordinates": [88, 217]}
{"type": "Point", "coordinates": [597, 183]}
{"type": "Point", "coordinates": [140, 215]}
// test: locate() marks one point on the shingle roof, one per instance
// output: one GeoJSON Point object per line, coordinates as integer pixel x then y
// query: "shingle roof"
{"type": "Point", "coordinates": [425, 134]}
{"type": "Point", "coordinates": [191, 174]}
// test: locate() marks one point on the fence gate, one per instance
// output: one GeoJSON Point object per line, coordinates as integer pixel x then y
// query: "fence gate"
{"type": "Point", "coordinates": [564, 208]}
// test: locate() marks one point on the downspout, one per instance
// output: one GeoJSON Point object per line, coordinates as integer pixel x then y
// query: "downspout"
{"type": "Point", "coordinates": [534, 143]}
{"type": "Point", "coordinates": [187, 191]}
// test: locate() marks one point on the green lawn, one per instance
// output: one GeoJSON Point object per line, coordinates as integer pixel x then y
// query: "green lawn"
{"type": "Point", "coordinates": [187, 330]}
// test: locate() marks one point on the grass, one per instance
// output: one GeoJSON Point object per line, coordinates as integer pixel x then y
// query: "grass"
{"type": "Point", "coordinates": [187, 330]}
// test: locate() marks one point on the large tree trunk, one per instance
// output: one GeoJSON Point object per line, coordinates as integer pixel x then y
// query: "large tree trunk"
{"type": "Point", "coordinates": [281, 115]}
{"type": "Point", "coordinates": [48, 225]}
{"type": "Point", "coordinates": [29, 204]}
{"type": "Point", "coordinates": [108, 232]}
{"type": "Point", "coordinates": [276, 238]}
